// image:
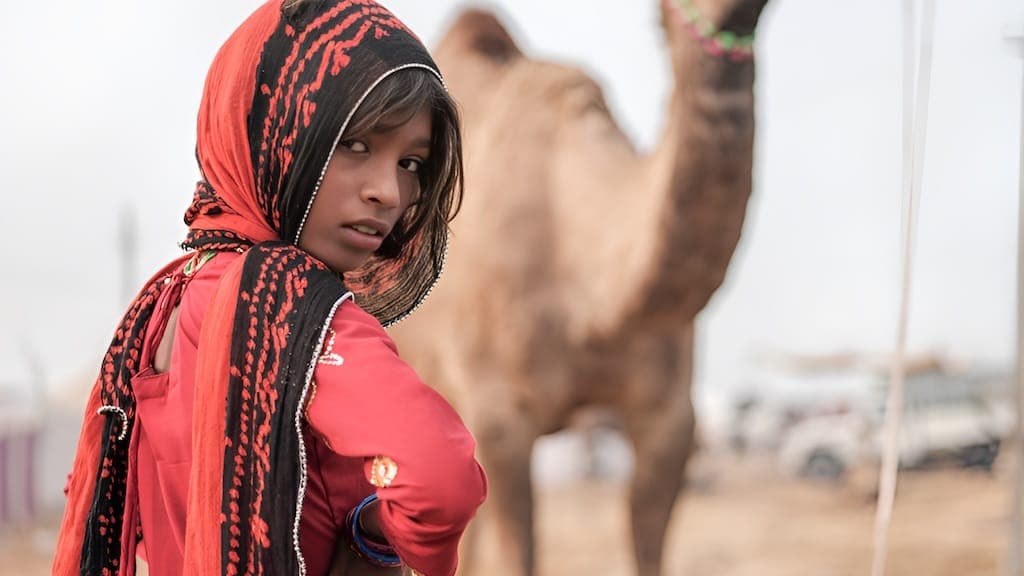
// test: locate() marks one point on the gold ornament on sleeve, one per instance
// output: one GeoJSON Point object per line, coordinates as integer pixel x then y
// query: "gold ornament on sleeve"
{"type": "Point", "coordinates": [383, 471]}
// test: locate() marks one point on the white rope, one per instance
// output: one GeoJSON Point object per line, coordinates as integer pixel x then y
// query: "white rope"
{"type": "Point", "coordinates": [915, 120]}
{"type": "Point", "coordinates": [1015, 560]}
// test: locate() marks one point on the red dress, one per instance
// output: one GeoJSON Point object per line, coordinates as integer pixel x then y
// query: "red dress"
{"type": "Point", "coordinates": [370, 418]}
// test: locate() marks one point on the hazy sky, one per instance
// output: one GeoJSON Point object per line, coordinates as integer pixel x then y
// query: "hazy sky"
{"type": "Point", "coordinates": [100, 109]}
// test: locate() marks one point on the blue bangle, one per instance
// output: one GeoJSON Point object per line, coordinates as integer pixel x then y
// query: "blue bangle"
{"type": "Point", "coordinates": [385, 560]}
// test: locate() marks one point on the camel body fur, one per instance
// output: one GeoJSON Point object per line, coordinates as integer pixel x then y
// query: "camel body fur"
{"type": "Point", "coordinates": [577, 265]}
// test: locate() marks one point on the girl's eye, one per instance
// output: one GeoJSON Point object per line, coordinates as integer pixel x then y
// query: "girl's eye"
{"type": "Point", "coordinates": [354, 146]}
{"type": "Point", "coordinates": [411, 164]}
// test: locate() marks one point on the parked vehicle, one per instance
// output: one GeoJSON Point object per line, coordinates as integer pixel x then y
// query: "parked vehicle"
{"type": "Point", "coordinates": [946, 418]}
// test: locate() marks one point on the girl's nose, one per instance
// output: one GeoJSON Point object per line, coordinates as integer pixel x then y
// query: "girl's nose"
{"type": "Point", "coordinates": [381, 187]}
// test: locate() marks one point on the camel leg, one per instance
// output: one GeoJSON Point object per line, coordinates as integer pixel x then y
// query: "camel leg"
{"type": "Point", "coordinates": [660, 422]}
{"type": "Point", "coordinates": [505, 443]}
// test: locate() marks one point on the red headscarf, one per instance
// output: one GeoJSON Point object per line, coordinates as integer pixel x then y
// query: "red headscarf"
{"type": "Point", "coordinates": [278, 96]}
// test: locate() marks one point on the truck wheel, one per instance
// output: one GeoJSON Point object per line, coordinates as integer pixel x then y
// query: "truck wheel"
{"type": "Point", "coordinates": [824, 465]}
{"type": "Point", "coordinates": [981, 456]}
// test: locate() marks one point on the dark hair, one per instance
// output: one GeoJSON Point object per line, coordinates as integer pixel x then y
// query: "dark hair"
{"type": "Point", "coordinates": [394, 102]}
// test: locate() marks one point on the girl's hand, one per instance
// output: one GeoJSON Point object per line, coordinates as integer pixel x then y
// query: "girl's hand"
{"type": "Point", "coordinates": [347, 563]}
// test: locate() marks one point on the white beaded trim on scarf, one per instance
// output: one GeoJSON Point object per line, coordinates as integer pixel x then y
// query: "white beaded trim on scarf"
{"type": "Point", "coordinates": [423, 297]}
{"type": "Point", "coordinates": [299, 411]}
{"type": "Point", "coordinates": [120, 412]}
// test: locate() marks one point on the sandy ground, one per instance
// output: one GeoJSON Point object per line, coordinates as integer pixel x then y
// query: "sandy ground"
{"type": "Point", "coordinates": [740, 518]}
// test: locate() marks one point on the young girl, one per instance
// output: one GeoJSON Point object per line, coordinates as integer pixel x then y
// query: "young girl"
{"type": "Point", "coordinates": [251, 412]}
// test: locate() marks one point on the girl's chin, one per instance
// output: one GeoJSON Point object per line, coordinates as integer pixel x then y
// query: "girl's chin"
{"type": "Point", "coordinates": [347, 265]}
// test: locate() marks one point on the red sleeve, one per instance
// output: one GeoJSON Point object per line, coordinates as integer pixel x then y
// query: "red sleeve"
{"type": "Point", "coordinates": [369, 403]}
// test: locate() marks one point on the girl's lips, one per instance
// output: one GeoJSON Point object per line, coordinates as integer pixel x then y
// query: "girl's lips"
{"type": "Point", "coordinates": [361, 240]}
{"type": "Point", "coordinates": [365, 229]}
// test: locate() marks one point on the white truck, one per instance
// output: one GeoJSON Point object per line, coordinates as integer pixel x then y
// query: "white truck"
{"type": "Point", "coordinates": [959, 418]}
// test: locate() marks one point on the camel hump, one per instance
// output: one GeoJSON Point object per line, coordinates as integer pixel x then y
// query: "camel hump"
{"type": "Point", "coordinates": [480, 31]}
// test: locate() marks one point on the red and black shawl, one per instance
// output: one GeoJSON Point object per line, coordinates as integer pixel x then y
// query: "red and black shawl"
{"type": "Point", "coordinates": [277, 98]}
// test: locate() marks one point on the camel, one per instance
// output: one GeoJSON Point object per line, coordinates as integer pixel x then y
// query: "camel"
{"type": "Point", "coordinates": [577, 265]}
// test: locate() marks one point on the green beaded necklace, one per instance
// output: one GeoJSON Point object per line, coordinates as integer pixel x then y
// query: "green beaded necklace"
{"type": "Point", "coordinates": [720, 43]}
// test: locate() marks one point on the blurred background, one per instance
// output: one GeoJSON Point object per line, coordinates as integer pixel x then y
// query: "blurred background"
{"type": "Point", "coordinates": [792, 351]}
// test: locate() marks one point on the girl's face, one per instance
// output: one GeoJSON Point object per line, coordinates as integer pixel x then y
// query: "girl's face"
{"type": "Point", "coordinates": [369, 183]}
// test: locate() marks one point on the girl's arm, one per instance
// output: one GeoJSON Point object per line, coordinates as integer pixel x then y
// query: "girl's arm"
{"type": "Point", "coordinates": [417, 452]}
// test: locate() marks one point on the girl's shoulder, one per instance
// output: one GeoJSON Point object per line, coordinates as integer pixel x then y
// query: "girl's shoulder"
{"type": "Point", "coordinates": [352, 326]}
